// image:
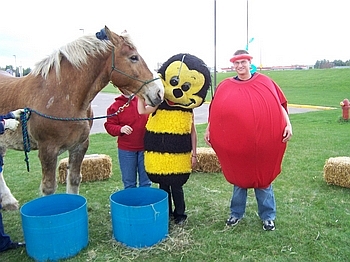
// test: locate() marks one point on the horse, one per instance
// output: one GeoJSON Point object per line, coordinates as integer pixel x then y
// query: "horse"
{"type": "Point", "coordinates": [62, 86]}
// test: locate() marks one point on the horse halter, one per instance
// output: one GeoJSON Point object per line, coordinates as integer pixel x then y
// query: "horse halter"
{"type": "Point", "coordinates": [130, 76]}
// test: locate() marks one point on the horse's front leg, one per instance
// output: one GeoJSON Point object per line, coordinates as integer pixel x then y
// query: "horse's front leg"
{"type": "Point", "coordinates": [48, 158]}
{"type": "Point", "coordinates": [8, 201]}
{"type": "Point", "coordinates": [76, 157]}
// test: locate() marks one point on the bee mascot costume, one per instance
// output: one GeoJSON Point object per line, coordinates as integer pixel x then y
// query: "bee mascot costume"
{"type": "Point", "coordinates": [170, 130]}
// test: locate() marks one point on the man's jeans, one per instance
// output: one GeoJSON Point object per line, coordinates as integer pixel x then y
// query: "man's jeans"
{"type": "Point", "coordinates": [265, 199]}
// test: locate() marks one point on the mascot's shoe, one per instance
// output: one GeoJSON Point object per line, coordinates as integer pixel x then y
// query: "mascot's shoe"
{"type": "Point", "coordinates": [268, 225]}
{"type": "Point", "coordinates": [232, 221]}
{"type": "Point", "coordinates": [181, 220]}
{"type": "Point", "coordinates": [14, 245]}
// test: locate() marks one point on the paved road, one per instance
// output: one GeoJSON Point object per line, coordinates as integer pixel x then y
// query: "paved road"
{"type": "Point", "coordinates": [103, 100]}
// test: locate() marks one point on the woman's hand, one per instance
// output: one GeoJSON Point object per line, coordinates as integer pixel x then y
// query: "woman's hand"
{"type": "Point", "coordinates": [126, 130]}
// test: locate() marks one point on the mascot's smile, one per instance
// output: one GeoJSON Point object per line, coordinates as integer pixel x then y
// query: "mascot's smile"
{"type": "Point", "coordinates": [171, 103]}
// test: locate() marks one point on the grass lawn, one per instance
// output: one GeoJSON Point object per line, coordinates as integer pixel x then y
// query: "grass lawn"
{"type": "Point", "coordinates": [313, 218]}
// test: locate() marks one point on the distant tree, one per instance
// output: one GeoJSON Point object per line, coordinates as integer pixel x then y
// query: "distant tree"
{"type": "Point", "coordinates": [338, 63]}
{"type": "Point", "coordinates": [323, 64]}
{"type": "Point", "coordinates": [26, 71]}
{"type": "Point", "coordinates": [320, 64]}
{"type": "Point", "coordinates": [317, 64]}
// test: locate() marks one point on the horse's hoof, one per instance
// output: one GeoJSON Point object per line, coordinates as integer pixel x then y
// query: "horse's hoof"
{"type": "Point", "coordinates": [11, 207]}
{"type": "Point", "coordinates": [9, 203]}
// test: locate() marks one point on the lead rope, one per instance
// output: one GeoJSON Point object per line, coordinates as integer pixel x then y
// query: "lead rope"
{"type": "Point", "coordinates": [113, 68]}
{"type": "Point", "coordinates": [25, 116]}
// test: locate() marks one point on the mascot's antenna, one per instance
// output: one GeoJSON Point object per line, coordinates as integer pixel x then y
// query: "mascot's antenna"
{"type": "Point", "coordinates": [175, 80]}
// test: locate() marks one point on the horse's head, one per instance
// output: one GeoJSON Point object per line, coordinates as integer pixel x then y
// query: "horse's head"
{"type": "Point", "coordinates": [129, 71]}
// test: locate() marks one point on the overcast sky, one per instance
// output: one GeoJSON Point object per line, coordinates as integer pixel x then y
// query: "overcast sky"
{"type": "Point", "coordinates": [285, 32]}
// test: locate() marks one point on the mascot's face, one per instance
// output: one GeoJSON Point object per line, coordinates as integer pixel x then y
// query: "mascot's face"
{"type": "Point", "coordinates": [185, 84]}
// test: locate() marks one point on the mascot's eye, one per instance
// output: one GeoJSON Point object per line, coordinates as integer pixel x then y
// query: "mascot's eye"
{"type": "Point", "coordinates": [186, 86]}
{"type": "Point", "coordinates": [174, 81]}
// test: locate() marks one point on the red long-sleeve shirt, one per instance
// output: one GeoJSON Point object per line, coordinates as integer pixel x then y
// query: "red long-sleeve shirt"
{"type": "Point", "coordinates": [130, 117]}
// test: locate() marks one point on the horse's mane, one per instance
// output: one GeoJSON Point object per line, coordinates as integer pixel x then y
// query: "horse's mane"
{"type": "Point", "coordinates": [128, 40]}
{"type": "Point", "coordinates": [76, 52]}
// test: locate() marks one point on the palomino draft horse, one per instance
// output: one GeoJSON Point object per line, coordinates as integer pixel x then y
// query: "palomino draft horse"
{"type": "Point", "coordinates": [63, 86]}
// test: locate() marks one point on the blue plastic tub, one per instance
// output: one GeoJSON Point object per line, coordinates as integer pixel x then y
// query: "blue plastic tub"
{"type": "Point", "coordinates": [55, 226]}
{"type": "Point", "coordinates": [140, 216]}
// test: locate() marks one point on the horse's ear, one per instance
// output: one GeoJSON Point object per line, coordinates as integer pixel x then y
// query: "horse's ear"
{"type": "Point", "coordinates": [108, 32]}
{"type": "Point", "coordinates": [113, 37]}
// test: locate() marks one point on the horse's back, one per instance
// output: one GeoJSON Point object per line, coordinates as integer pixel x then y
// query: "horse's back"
{"type": "Point", "coordinates": [6, 81]}
{"type": "Point", "coordinates": [5, 73]}
{"type": "Point", "coordinates": [5, 77]}
{"type": "Point", "coordinates": [9, 92]}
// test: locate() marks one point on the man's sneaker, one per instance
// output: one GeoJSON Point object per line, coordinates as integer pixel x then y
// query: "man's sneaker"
{"type": "Point", "coordinates": [268, 225]}
{"type": "Point", "coordinates": [232, 221]}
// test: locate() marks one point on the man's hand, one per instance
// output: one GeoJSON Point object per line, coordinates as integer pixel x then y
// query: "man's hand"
{"type": "Point", "coordinates": [11, 124]}
{"type": "Point", "coordinates": [17, 113]}
{"type": "Point", "coordinates": [287, 133]}
{"type": "Point", "coordinates": [207, 136]}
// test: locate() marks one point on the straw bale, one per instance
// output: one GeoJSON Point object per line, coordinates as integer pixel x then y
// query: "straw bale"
{"type": "Point", "coordinates": [337, 171]}
{"type": "Point", "coordinates": [94, 167]}
{"type": "Point", "coordinates": [207, 161]}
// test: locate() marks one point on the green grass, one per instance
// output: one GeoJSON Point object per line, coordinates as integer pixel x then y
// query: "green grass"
{"type": "Point", "coordinates": [313, 218]}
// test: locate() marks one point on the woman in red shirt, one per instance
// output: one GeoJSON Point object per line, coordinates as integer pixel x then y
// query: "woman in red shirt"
{"type": "Point", "coordinates": [129, 127]}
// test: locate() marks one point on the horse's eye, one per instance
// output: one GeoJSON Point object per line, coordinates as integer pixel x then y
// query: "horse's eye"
{"type": "Point", "coordinates": [134, 58]}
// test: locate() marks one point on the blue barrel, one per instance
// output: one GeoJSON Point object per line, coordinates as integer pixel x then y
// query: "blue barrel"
{"type": "Point", "coordinates": [140, 216]}
{"type": "Point", "coordinates": [55, 226]}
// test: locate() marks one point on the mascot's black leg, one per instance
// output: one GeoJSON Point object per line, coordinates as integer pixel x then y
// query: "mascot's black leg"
{"type": "Point", "coordinates": [179, 203]}
{"type": "Point", "coordinates": [166, 188]}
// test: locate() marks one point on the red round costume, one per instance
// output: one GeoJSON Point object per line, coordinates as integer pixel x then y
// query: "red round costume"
{"type": "Point", "coordinates": [246, 130]}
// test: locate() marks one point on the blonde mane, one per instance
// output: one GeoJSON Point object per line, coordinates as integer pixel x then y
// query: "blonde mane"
{"type": "Point", "coordinates": [128, 40]}
{"type": "Point", "coordinates": [76, 52]}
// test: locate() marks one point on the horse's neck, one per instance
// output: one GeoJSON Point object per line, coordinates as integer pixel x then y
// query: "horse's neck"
{"type": "Point", "coordinates": [94, 89]}
{"type": "Point", "coordinates": [89, 83]}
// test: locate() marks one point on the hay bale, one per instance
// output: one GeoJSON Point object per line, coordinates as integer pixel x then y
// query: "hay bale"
{"type": "Point", "coordinates": [207, 161]}
{"type": "Point", "coordinates": [94, 167]}
{"type": "Point", "coordinates": [337, 171]}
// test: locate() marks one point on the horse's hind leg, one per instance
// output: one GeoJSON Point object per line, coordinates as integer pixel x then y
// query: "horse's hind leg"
{"type": "Point", "coordinates": [76, 157]}
{"type": "Point", "coordinates": [8, 201]}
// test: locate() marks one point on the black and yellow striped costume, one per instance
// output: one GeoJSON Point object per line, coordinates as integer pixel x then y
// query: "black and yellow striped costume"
{"type": "Point", "coordinates": [168, 144]}
{"type": "Point", "coordinates": [168, 147]}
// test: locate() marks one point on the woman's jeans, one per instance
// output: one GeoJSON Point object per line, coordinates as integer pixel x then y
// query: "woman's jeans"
{"type": "Point", "coordinates": [132, 163]}
{"type": "Point", "coordinates": [265, 199]}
